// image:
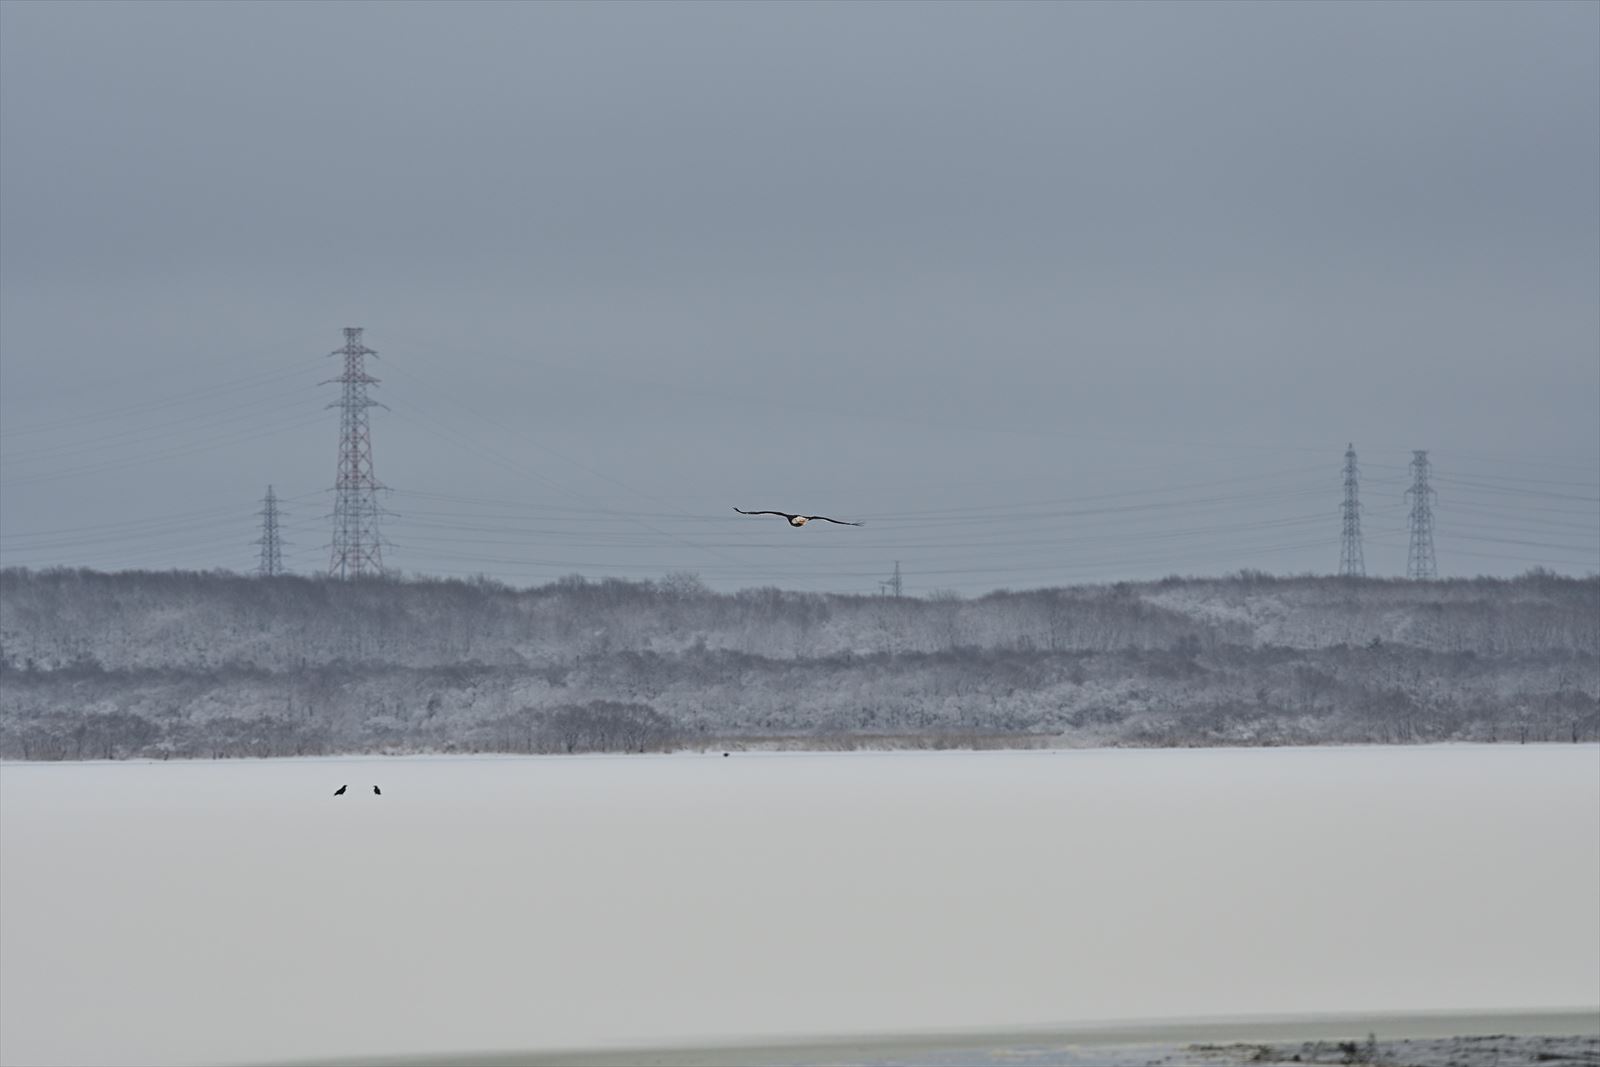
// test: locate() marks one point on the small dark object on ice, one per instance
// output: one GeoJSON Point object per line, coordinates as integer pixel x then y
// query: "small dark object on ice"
{"type": "Point", "coordinates": [340, 791]}
{"type": "Point", "coordinates": [376, 791]}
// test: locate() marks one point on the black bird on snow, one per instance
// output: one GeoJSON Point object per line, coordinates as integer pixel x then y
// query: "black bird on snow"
{"type": "Point", "coordinates": [340, 791]}
{"type": "Point", "coordinates": [799, 520]}
{"type": "Point", "coordinates": [376, 791]}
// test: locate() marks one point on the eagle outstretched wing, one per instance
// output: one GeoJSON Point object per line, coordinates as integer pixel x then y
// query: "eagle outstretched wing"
{"type": "Point", "coordinates": [841, 522]}
{"type": "Point", "coordinates": [785, 514]}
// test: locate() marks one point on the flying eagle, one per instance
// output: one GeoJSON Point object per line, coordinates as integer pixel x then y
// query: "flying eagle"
{"type": "Point", "coordinates": [799, 520]}
{"type": "Point", "coordinates": [340, 791]}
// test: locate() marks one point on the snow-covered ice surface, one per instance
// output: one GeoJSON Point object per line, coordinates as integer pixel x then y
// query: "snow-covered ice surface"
{"type": "Point", "coordinates": [1503, 1041]}
{"type": "Point", "coordinates": [236, 911]}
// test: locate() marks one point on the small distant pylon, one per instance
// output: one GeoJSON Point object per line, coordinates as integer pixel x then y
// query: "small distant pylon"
{"type": "Point", "coordinates": [893, 586]}
{"type": "Point", "coordinates": [271, 544]}
{"type": "Point", "coordinates": [1352, 563]}
{"type": "Point", "coordinates": [357, 548]}
{"type": "Point", "coordinates": [1419, 560]}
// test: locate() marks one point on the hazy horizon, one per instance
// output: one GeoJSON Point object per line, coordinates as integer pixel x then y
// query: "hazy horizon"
{"type": "Point", "coordinates": [1043, 294]}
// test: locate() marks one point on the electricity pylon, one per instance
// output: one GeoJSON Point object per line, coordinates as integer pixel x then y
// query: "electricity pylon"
{"type": "Point", "coordinates": [271, 544]}
{"type": "Point", "coordinates": [357, 548]}
{"type": "Point", "coordinates": [1419, 560]}
{"type": "Point", "coordinates": [1352, 564]}
{"type": "Point", "coordinates": [893, 585]}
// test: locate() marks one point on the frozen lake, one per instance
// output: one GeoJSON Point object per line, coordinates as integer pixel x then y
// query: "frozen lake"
{"type": "Point", "coordinates": [236, 911]}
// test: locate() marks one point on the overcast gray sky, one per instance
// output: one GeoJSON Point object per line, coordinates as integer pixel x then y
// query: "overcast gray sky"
{"type": "Point", "coordinates": [1044, 293]}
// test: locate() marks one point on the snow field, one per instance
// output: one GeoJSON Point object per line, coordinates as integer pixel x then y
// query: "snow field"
{"type": "Point", "coordinates": [236, 911]}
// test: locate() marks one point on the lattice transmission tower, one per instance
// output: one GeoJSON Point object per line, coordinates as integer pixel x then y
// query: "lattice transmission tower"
{"type": "Point", "coordinates": [1419, 560]}
{"type": "Point", "coordinates": [357, 547]}
{"type": "Point", "coordinates": [271, 544]}
{"type": "Point", "coordinates": [1352, 563]}
{"type": "Point", "coordinates": [893, 585]}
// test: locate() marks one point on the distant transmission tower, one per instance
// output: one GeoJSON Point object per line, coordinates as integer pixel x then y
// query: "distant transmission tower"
{"type": "Point", "coordinates": [357, 549]}
{"type": "Point", "coordinates": [1351, 562]}
{"type": "Point", "coordinates": [1419, 561]}
{"type": "Point", "coordinates": [271, 545]}
{"type": "Point", "coordinates": [893, 586]}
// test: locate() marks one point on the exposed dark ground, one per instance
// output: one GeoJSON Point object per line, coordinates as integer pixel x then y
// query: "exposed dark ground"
{"type": "Point", "coordinates": [1498, 1050]}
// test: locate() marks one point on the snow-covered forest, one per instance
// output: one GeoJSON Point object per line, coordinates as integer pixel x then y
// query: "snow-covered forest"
{"type": "Point", "coordinates": [96, 665]}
